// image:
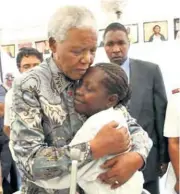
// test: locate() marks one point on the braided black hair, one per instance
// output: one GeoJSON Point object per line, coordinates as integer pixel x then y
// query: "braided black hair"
{"type": "Point", "coordinates": [116, 81]}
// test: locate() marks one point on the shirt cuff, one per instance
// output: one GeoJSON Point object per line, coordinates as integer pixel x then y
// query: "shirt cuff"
{"type": "Point", "coordinates": [85, 151]}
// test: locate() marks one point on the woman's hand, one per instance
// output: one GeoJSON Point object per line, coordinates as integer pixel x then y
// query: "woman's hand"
{"type": "Point", "coordinates": [121, 168]}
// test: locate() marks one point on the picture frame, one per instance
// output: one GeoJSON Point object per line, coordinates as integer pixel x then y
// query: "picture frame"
{"type": "Point", "coordinates": [100, 37]}
{"type": "Point", "coordinates": [43, 46]}
{"type": "Point", "coordinates": [177, 28]}
{"type": "Point", "coordinates": [133, 32]}
{"type": "Point", "coordinates": [155, 31]}
{"type": "Point", "coordinates": [9, 49]}
{"type": "Point", "coordinates": [25, 44]}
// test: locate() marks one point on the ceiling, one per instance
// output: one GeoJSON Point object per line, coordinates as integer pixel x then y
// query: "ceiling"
{"type": "Point", "coordinates": [22, 14]}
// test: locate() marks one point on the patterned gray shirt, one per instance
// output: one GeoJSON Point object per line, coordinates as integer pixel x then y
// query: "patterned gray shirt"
{"type": "Point", "coordinates": [44, 122]}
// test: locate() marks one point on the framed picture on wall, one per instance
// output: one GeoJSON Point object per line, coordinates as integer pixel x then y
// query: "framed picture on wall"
{"type": "Point", "coordinates": [155, 31]}
{"type": "Point", "coordinates": [133, 31]}
{"type": "Point", "coordinates": [25, 44]}
{"type": "Point", "coordinates": [177, 28]}
{"type": "Point", "coordinates": [100, 37]}
{"type": "Point", "coordinates": [43, 46]}
{"type": "Point", "coordinates": [9, 49]}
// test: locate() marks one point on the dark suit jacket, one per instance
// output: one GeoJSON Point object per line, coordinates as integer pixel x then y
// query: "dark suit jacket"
{"type": "Point", "coordinates": [148, 106]}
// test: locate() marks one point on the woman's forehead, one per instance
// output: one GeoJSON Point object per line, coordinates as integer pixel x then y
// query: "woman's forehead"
{"type": "Point", "coordinates": [94, 74]}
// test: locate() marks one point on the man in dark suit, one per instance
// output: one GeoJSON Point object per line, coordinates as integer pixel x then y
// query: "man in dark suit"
{"type": "Point", "coordinates": [148, 101]}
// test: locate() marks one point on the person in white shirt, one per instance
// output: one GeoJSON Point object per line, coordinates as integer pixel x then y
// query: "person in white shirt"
{"type": "Point", "coordinates": [172, 131]}
{"type": "Point", "coordinates": [101, 96]}
{"type": "Point", "coordinates": [27, 58]}
{"type": "Point", "coordinates": [103, 87]}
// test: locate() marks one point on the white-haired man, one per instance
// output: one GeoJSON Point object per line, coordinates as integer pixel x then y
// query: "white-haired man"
{"type": "Point", "coordinates": [44, 119]}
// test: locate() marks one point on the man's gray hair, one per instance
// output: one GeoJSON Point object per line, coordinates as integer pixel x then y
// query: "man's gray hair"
{"type": "Point", "coordinates": [68, 17]}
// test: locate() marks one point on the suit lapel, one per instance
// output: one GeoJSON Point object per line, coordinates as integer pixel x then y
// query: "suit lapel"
{"type": "Point", "coordinates": [136, 81]}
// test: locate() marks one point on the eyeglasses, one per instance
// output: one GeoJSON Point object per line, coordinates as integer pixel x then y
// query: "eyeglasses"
{"type": "Point", "coordinates": [10, 78]}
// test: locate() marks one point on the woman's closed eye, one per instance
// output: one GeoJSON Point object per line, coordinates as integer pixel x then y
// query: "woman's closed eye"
{"type": "Point", "coordinates": [89, 88]}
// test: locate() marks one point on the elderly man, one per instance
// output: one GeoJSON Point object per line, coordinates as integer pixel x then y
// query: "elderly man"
{"type": "Point", "coordinates": [44, 119]}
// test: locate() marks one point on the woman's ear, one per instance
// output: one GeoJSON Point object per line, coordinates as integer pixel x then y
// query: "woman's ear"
{"type": "Point", "coordinates": [52, 44]}
{"type": "Point", "coordinates": [112, 100]}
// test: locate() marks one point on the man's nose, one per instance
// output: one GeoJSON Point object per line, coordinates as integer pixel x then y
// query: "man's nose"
{"type": "Point", "coordinates": [116, 48]}
{"type": "Point", "coordinates": [87, 57]}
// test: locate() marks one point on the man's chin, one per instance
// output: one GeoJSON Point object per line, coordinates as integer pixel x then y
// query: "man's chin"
{"type": "Point", "coordinates": [117, 61]}
{"type": "Point", "coordinates": [76, 76]}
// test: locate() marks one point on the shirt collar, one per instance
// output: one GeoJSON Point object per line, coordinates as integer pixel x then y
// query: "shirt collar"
{"type": "Point", "coordinates": [126, 63]}
{"type": "Point", "coordinates": [60, 80]}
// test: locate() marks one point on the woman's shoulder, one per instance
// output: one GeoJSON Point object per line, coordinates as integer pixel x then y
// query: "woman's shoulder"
{"type": "Point", "coordinates": [106, 116]}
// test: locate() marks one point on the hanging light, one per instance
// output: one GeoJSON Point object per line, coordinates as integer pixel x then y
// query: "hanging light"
{"type": "Point", "coordinates": [114, 7]}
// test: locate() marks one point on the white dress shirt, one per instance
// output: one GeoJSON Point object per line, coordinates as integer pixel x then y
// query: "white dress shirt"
{"type": "Point", "coordinates": [172, 129]}
{"type": "Point", "coordinates": [87, 175]}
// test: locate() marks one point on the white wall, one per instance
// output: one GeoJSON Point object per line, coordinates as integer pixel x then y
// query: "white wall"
{"type": "Point", "coordinates": [28, 22]}
{"type": "Point", "coordinates": [166, 54]}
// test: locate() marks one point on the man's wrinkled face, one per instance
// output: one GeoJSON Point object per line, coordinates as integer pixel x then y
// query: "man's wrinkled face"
{"type": "Point", "coordinates": [76, 53]}
{"type": "Point", "coordinates": [116, 44]}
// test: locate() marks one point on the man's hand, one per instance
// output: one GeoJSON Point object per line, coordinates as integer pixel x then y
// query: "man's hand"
{"type": "Point", "coordinates": [176, 187]}
{"type": "Point", "coordinates": [1, 109]}
{"type": "Point", "coordinates": [7, 130]}
{"type": "Point", "coordinates": [121, 169]}
{"type": "Point", "coordinates": [163, 169]}
{"type": "Point", "coordinates": [110, 140]}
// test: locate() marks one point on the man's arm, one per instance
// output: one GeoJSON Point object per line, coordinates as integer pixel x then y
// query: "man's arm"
{"type": "Point", "coordinates": [31, 153]}
{"type": "Point", "coordinates": [34, 157]}
{"type": "Point", "coordinates": [141, 143]}
{"type": "Point", "coordinates": [122, 167]}
{"type": "Point", "coordinates": [160, 103]}
{"type": "Point", "coordinates": [6, 130]}
{"type": "Point", "coordinates": [1, 109]}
